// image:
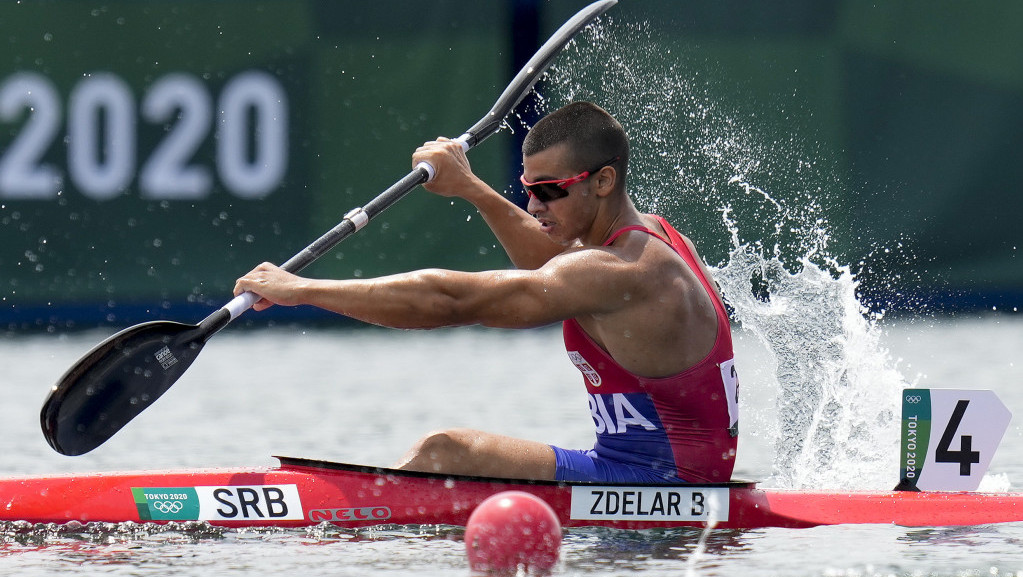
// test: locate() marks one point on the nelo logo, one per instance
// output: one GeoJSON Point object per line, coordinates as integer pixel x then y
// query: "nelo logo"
{"type": "Point", "coordinates": [350, 514]}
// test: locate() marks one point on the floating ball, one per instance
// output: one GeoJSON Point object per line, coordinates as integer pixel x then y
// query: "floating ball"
{"type": "Point", "coordinates": [510, 529]}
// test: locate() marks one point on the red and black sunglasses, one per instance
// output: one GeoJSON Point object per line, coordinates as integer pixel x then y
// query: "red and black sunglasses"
{"type": "Point", "coordinates": [548, 190]}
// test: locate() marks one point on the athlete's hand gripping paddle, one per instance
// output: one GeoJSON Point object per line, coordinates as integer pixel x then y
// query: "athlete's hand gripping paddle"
{"type": "Point", "coordinates": [126, 373]}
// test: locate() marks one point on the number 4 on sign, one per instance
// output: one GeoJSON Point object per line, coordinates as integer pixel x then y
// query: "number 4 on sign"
{"type": "Point", "coordinates": [949, 437]}
{"type": "Point", "coordinates": [965, 456]}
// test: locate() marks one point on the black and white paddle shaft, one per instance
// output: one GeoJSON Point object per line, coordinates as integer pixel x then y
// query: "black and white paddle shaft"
{"type": "Point", "coordinates": [126, 373]}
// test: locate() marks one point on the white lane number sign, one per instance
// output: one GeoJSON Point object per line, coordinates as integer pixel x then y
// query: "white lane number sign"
{"type": "Point", "coordinates": [949, 437]}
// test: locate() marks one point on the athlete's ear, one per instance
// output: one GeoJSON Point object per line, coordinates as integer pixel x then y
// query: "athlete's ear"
{"type": "Point", "coordinates": [606, 178]}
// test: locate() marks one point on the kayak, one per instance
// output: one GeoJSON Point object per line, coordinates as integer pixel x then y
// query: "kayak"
{"type": "Point", "coordinates": [303, 492]}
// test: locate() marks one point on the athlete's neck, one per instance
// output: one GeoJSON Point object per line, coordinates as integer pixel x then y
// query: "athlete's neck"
{"type": "Point", "coordinates": [626, 215]}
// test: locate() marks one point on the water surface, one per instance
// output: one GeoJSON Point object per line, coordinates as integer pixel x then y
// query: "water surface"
{"type": "Point", "coordinates": [365, 395]}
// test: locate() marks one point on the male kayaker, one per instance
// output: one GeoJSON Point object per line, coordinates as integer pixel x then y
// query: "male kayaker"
{"type": "Point", "coordinates": [642, 320]}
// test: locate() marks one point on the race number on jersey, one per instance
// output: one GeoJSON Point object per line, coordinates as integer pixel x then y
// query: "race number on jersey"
{"type": "Point", "coordinates": [949, 437]}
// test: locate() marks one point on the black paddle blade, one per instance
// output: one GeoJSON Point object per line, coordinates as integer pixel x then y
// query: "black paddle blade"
{"type": "Point", "coordinates": [116, 381]}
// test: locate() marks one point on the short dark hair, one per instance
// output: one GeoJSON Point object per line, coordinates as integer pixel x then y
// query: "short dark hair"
{"type": "Point", "coordinates": [593, 136]}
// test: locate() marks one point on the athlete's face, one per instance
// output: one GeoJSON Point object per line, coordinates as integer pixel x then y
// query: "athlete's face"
{"type": "Point", "coordinates": [563, 219]}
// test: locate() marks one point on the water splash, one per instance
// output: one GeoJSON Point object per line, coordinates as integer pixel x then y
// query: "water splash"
{"type": "Point", "coordinates": [837, 388]}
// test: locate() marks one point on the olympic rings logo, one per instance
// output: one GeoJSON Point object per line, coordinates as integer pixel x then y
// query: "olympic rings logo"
{"type": "Point", "coordinates": [168, 506]}
{"type": "Point", "coordinates": [913, 399]}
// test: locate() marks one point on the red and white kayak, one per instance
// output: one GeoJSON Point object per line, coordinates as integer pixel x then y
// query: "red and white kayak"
{"type": "Point", "coordinates": [303, 492]}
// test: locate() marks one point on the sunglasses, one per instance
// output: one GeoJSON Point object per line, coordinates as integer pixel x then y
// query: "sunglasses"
{"type": "Point", "coordinates": [548, 190]}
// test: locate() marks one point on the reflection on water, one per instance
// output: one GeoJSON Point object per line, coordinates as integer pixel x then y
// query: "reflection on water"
{"type": "Point", "coordinates": [595, 547]}
{"type": "Point", "coordinates": [83, 538]}
{"type": "Point", "coordinates": [195, 548]}
{"type": "Point", "coordinates": [183, 546]}
{"type": "Point", "coordinates": [968, 537]}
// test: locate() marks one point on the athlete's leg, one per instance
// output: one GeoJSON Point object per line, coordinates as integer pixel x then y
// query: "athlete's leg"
{"type": "Point", "coordinates": [470, 452]}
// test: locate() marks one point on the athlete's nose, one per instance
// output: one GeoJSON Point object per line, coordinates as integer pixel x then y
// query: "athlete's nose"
{"type": "Point", "coordinates": [534, 206]}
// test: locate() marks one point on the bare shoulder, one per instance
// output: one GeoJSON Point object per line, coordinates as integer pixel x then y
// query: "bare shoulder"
{"type": "Point", "coordinates": [633, 271]}
{"type": "Point", "coordinates": [688, 243]}
{"type": "Point", "coordinates": [602, 262]}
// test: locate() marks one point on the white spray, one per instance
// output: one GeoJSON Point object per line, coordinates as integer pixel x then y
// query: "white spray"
{"type": "Point", "coordinates": [837, 389]}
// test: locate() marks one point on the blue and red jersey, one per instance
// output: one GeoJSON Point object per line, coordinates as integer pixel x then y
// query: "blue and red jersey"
{"type": "Point", "coordinates": [683, 426]}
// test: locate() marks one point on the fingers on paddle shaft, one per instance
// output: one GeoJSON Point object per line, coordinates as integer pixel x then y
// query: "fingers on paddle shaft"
{"type": "Point", "coordinates": [115, 382]}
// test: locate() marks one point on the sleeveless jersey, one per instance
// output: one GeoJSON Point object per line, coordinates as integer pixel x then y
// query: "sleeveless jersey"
{"type": "Point", "coordinates": [684, 426]}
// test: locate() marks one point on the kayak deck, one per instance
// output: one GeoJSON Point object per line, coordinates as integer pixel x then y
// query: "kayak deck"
{"type": "Point", "coordinates": [303, 492]}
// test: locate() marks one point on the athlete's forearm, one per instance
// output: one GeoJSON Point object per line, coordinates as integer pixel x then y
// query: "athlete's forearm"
{"type": "Point", "coordinates": [415, 300]}
{"type": "Point", "coordinates": [527, 246]}
{"type": "Point", "coordinates": [434, 298]}
{"type": "Point", "coordinates": [419, 299]}
{"type": "Point", "coordinates": [517, 231]}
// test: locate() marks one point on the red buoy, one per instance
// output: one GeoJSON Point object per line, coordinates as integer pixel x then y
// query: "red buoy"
{"type": "Point", "coordinates": [510, 529]}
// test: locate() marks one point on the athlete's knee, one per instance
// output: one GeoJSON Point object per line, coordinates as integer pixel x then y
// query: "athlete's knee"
{"type": "Point", "coordinates": [444, 446]}
{"type": "Point", "coordinates": [445, 441]}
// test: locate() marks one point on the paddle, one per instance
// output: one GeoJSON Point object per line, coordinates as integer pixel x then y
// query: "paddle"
{"type": "Point", "coordinates": [126, 373]}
